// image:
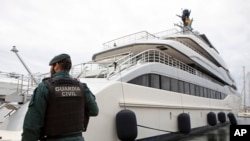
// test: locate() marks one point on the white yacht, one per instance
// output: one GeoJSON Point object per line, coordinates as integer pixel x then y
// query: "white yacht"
{"type": "Point", "coordinates": [155, 87]}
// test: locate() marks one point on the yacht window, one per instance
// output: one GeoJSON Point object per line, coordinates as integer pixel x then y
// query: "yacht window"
{"type": "Point", "coordinates": [197, 90]}
{"type": "Point", "coordinates": [212, 94]}
{"type": "Point", "coordinates": [145, 80]}
{"type": "Point", "coordinates": [155, 81]}
{"type": "Point", "coordinates": [171, 84]}
{"type": "Point", "coordinates": [208, 93]}
{"type": "Point", "coordinates": [174, 85]}
{"type": "Point", "coordinates": [218, 95]}
{"type": "Point", "coordinates": [134, 81]}
{"type": "Point", "coordinates": [192, 89]}
{"type": "Point", "coordinates": [221, 96]}
{"type": "Point", "coordinates": [187, 88]}
{"type": "Point", "coordinates": [181, 86]}
{"type": "Point", "coordinates": [141, 80]}
{"type": "Point", "coordinates": [165, 83]}
{"type": "Point", "coordinates": [205, 92]}
{"type": "Point", "coordinates": [201, 91]}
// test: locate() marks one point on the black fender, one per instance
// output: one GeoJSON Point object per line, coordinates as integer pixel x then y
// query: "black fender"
{"type": "Point", "coordinates": [211, 118]}
{"type": "Point", "coordinates": [184, 123]}
{"type": "Point", "coordinates": [222, 117]}
{"type": "Point", "coordinates": [126, 125]}
{"type": "Point", "coordinates": [232, 118]}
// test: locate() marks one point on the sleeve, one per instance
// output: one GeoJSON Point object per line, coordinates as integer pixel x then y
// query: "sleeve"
{"type": "Point", "coordinates": [91, 105]}
{"type": "Point", "coordinates": [34, 118]}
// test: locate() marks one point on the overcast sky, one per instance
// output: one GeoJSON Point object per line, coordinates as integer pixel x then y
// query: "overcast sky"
{"type": "Point", "coordinates": [41, 29]}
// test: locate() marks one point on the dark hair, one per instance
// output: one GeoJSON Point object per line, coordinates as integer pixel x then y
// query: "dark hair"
{"type": "Point", "coordinates": [65, 64]}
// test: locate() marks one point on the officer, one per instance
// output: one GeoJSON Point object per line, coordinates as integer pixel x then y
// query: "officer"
{"type": "Point", "coordinates": [60, 107]}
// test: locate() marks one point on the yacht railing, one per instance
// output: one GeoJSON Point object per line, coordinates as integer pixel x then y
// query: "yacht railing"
{"type": "Point", "coordinates": [14, 87]}
{"type": "Point", "coordinates": [107, 70]}
{"type": "Point", "coordinates": [169, 32]}
{"type": "Point", "coordinates": [128, 39]}
{"type": "Point", "coordinates": [156, 56]}
{"type": "Point", "coordinates": [98, 69]}
{"type": "Point", "coordinates": [143, 35]}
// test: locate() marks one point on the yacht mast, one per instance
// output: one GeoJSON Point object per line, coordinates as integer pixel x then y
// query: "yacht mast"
{"type": "Point", "coordinates": [16, 52]}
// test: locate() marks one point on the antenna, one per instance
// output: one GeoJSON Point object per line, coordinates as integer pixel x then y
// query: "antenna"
{"type": "Point", "coordinates": [16, 52]}
{"type": "Point", "coordinates": [186, 21]}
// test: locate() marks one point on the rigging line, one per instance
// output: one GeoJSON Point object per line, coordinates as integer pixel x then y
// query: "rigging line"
{"type": "Point", "coordinates": [202, 134]}
{"type": "Point", "coordinates": [121, 82]}
{"type": "Point", "coordinates": [154, 128]}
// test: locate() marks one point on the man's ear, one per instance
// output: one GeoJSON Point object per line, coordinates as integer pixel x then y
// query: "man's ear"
{"type": "Point", "coordinates": [57, 67]}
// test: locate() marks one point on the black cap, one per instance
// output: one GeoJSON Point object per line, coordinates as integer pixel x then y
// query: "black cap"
{"type": "Point", "coordinates": [58, 58]}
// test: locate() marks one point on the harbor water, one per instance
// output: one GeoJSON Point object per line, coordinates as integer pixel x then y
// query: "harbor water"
{"type": "Point", "coordinates": [220, 134]}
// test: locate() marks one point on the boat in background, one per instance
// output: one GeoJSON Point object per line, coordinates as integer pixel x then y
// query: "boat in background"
{"type": "Point", "coordinates": [245, 114]}
{"type": "Point", "coordinates": [15, 91]}
{"type": "Point", "coordinates": [155, 87]}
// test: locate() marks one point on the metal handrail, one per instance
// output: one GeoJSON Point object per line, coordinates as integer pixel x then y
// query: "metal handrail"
{"type": "Point", "coordinates": [128, 39]}
{"type": "Point", "coordinates": [80, 70]}
{"type": "Point", "coordinates": [142, 35]}
{"type": "Point", "coordinates": [17, 85]}
{"type": "Point", "coordinates": [156, 56]}
{"type": "Point", "coordinates": [148, 56]}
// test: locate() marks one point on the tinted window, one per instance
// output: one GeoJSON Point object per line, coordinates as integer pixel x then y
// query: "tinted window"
{"type": "Point", "coordinates": [205, 92]}
{"type": "Point", "coordinates": [197, 90]}
{"type": "Point", "coordinates": [165, 83]}
{"type": "Point", "coordinates": [212, 94]}
{"type": "Point", "coordinates": [209, 93]}
{"type": "Point", "coordinates": [192, 89]}
{"type": "Point", "coordinates": [141, 80]}
{"type": "Point", "coordinates": [155, 81]}
{"type": "Point", "coordinates": [218, 95]}
{"type": "Point", "coordinates": [174, 85]}
{"type": "Point", "coordinates": [201, 91]}
{"type": "Point", "coordinates": [181, 86]}
{"type": "Point", "coordinates": [187, 88]}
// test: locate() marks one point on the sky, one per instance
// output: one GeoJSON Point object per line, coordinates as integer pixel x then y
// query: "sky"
{"type": "Point", "coordinates": [41, 29]}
